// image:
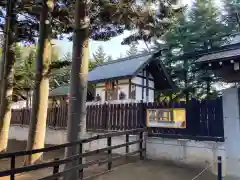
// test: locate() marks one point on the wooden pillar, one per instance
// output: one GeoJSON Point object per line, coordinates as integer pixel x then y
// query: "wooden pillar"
{"type": "Point", "coordinates": [106, 94]}
{"type": "Point", "coordinates": [117, 96]}
{"type": "Point", "coordinates": [143, 86]}
{"type": "Point", "coordinates": [129, 88]}
{"type": "Point", "coordinates": [147, 86]}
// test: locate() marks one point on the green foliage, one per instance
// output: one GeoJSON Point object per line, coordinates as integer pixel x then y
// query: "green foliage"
{"type": "Point", "coordinates": [133, 50]}
{"type": "Point", "coordinates": [232, 15]}
{"type": "Point", "coordinates": [198, 30]}
{"type": "Point", "coordinates": [100, 56]}
{"type": "Point", "coordinates": [109, 58]}
{"type": "Point", "coordinates": [108, 18]}
{"type": "Point", "coordinates": [60, 70]}
{"type": "Point", "coordinates": [158, 21]}
{"type": "Point", "coordinates": [25, 69]}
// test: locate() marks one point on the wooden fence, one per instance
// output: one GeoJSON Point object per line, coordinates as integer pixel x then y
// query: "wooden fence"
{"type": "Point", "coordinates": [80, 165]}
{"type": "Point", "coordinates": [204, 118]}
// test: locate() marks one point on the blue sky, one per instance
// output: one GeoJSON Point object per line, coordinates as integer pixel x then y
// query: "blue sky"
{"type": "Point", "coordinates": [112, 47]}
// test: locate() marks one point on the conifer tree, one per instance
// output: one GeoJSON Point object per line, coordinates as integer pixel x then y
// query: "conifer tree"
{"type": "Point", "coordinates": [198, 29]}
{"type": "Point", "coordinates": [133, 50]}
{"type": "Point", "coordinates": [100, 56]}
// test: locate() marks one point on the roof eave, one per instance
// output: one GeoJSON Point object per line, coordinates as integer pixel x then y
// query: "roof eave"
{"type": "Point", "coordinates": [217, 59]}
{"type": "Point", "coordinates": [110, 79]}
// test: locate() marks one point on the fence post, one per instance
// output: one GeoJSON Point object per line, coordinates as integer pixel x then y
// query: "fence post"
{"type": "Point", "coordinates": [219, 168]}
{"type": "Point", "coordinates": [55, 116]}
{"type": "Point", "coordinates": [23, 116]}
{"type": "Point", "coordinates": [56, 167]}
{"type": "Point", "coordinates": [141, 145]}
{"type": "Point", "coordinates": [12, 177]}
{"type": "Point", "coordinates": [143, 118]}
{"type": "Point", "coordinates": [105, 117]}
{"type": "Point", "coordinates": [127, 146]}
{"type": "Point", "coordinates": [109, 142]}
{"type": "Point", "coordinates": [80, 160]}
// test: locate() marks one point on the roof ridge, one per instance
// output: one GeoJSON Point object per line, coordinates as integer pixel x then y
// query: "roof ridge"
{"type": "Point", "coordinates": [125, 58]}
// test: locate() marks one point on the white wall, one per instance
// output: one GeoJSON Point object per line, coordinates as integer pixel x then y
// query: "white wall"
{"type": "Point", "coordinates": [232, 131]}
{"type": "Point", "coordinates": [101, 92]}
{"type": "Point", "coordinates": [124, 87]}
{"type": "Point", "coordinates": [141, 81]}
{"type": "Point", "coordinates": [194, 153]}
{"type": "Point", "coordinates": [139, 93]}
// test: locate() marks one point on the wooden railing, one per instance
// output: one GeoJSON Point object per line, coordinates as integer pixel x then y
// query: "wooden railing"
{"type": "Point", "coordinates": [57, 162]}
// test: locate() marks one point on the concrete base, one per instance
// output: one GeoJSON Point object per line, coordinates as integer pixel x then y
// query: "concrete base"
{"type": "Point", "coordinates": [188, 152]}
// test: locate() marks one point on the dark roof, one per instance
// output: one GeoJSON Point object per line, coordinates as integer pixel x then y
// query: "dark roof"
{"type": "Point", "coordinates": [200, 53]}
{"type": "Point", "coordinates": [60, 91]}
{"type": "Point", "coordinates": [130, 67]}
{"type": "Point", "coordinates": [125, 67]}
{"type": "Point", "coordinates": [219, 55]}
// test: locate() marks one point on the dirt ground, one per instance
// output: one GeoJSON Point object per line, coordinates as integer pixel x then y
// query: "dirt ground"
{"type": "Point", "coordinates": [153, 170]}
{"type": "Point", "coordinates": [124, 169]}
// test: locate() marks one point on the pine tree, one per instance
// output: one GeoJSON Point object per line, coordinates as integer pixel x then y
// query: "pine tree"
{"type": "Point", "coordinates": [100, 56]}
{"type": "Point", "coordinates": [37, 128]}
{"type": "Point", "coordinates": [24, 69]}
{"type": "Point", "coordinates": [25, 30]}
{"type": "Point", "coordinates": [109, 58]}
{"type": "Point", "coordinates": [198, 30]}
{"type": "Point", "coordinates": [133, 50]}
{"type": "Point", "coordinates": [232, 14]}
{"type": "Point", "coordinates": [151, 27]}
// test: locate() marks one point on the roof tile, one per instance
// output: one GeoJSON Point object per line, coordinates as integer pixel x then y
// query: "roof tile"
{"type": "Point", "coordinates": [118, 68]}
{"type": "Point", "coordinates": [219, 55]}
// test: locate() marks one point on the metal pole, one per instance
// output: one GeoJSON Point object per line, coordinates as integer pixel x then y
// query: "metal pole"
{"type": "Point", "coordinates": [219, 168]}
{"type": "Point", "coordinates": [127, 146]}
{"type": "Point", "coordinates": [56, 168]}
{"type": "Point", "coordinates": [12, 177]}
{"type": "Point", "coordinates": [109, 142]}
{"type": "Point", "coordinates": [141, 145]}
{"type": "Point", "coordinates": [80, 151]}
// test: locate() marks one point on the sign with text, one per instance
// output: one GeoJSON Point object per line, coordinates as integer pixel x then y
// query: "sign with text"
{"type": "Point", "coordinates": [166, 118]}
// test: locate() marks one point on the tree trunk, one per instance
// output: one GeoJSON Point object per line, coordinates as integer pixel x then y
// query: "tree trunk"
{"type": "Point", "coordinates": [3, 58]}
{"type": "Point", "coordinates": [78, 84]}
{"type": "Point", "coordinates": [37, 129]}
{"type": "Point", "coordinates": [7, 77]}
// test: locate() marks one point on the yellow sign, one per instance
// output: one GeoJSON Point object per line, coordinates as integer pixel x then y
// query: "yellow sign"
{"type": "Point", "coordinates": [166, 118]}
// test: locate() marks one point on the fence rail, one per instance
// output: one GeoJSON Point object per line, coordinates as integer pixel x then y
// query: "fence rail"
{"type": "Point", "coordinates": [57, 162]}
{"type": "Point", "coordinates": [204, 118]}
